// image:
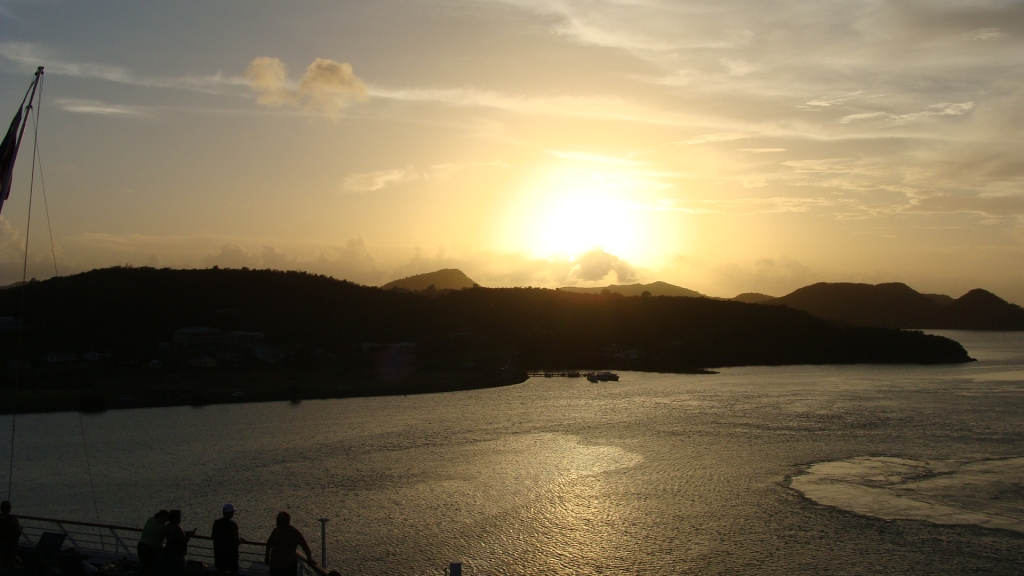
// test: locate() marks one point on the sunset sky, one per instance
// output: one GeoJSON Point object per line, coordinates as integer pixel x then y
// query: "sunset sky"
{"type": "Point", "coordinates": [725, 146]}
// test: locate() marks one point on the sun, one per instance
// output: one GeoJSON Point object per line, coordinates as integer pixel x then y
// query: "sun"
{"type": "Point", "coordinates": [574, 210]}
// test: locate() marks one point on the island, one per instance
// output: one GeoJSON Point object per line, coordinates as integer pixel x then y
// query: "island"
{"type": "Point", "coordinates": [129, 337]}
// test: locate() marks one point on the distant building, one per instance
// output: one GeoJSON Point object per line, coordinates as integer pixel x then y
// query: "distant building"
{"type": "Point", "coordinates": [9, 324]}
{"type": "Point", "coordinates": [231, 356]}
{"type": "Point", "coordinates": [391, 358]}
{"type": "Point", "coordinates": [612, 351]}
{"type": "Point", "coordinates": [16, 364]}
{"type": "Point", "coordinates": [199, 337]}
{"type": "Point", "coordinates": [202, 362]}
{"type": "Point", "coordinates": [633, 354]}
{"type": "Point", "coordinates": [242, 339]}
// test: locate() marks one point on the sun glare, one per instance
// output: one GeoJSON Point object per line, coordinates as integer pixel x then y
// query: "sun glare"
{"type": "Point", "coordinates": [576, 210]}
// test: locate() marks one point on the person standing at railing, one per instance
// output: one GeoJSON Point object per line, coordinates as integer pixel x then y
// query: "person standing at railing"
{"type": "Point", "coordinates": [10, 533]}
{"type": "Point", "coordinates": [225, 542]}
{"type": "Point", "coordinates": [151, 541]}
{"type": "Point", "coordinates": [281, 545]}
{"type": "Point", "coordinates": [173, 560]}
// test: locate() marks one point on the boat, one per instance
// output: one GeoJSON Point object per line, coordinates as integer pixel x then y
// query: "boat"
{"type": "Point", "coordinates": [602, 377]}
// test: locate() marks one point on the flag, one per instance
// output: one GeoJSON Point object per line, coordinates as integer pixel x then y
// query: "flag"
{"type": "Point", "coordinates": [8, 152]}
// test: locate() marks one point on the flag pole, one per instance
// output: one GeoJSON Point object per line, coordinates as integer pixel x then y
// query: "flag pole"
{"type": "Point", "coordinates": [24, 122]}
{"type": "Point", "coordinates": [12, 142]}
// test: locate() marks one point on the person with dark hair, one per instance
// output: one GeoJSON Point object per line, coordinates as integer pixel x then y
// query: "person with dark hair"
{"type": "Point", "coordinates": [10, 533]}
{"type": "Point", "coordinates": [176, 547]}
{"type": "Point", "coordinates": [225, 542]}
{"type": "Point", "coordinates": [280, 554]}
{"type": "Point", "coordinates": [152, 539]}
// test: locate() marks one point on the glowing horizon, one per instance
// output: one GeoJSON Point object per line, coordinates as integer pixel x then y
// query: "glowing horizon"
{"type": "Point", "coordinates": [714, 145]}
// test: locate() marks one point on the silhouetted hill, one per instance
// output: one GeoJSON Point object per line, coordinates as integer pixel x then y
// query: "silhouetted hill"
{"type": "Point", "coordinates": [941, 299]}
{"type": "Point", "coordinates": [892, 305]}
{"type": "Point", "coordinates": [655, 288]}
{"type": "Point", "coordinates": [896, 305]}
{"type": "Point", "coordinates": [446, 279]}
{"type": "Point", "coordinates": [753, 298]}
{"type": "Point", "coordinates": [983, 310]}
{"type": "Point", "coordinates": [129, 310]}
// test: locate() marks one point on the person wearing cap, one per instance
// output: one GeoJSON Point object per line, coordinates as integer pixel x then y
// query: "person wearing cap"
{"type": "Point", "coordinates": [225, 542]}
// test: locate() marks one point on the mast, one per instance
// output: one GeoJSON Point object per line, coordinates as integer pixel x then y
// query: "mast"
{"type": "Point", "coordinates": [15, 134]}
{"type": "Point", "coordinates": [8, 154]}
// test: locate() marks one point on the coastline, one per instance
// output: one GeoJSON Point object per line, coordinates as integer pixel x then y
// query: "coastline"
{"type": "Point", "coordinates": [139, 387]}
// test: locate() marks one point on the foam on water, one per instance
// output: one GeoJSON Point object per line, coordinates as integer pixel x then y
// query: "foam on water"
{"type": "Point", "coordinates": [984, 492]}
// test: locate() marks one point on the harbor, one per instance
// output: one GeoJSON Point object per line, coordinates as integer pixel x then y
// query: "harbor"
{"type": "Point", "coordinates": [590, 376]}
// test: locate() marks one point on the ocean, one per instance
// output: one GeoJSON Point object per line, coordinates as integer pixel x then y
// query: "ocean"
{"type": "Point", "coordinates": [762, 470]}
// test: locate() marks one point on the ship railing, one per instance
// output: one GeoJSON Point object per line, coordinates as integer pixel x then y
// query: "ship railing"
{"type": "Point", "coordinates": [305, 569]}
{"type": "Point", "coordinates": [103, 543]}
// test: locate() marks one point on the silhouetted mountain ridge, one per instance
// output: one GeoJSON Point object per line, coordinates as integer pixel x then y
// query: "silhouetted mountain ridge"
{"type": "Point", "coordinates": [896, 305]}
{"type": "Point", "coordinates": [753, 298]}
{"type": "Point", "coordinates": [654, 288]}
{"type": "Point", "coordinates": [129, 310]}
{"type": "Point", "coordinates": [445, 279]}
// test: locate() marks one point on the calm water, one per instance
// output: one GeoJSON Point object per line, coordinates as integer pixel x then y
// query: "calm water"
{"type": "Point", "coordinates": [658, 474]}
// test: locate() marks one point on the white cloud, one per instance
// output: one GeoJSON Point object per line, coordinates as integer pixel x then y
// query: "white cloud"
{"type": "Point", "coordinates": [596, 265]}
{"type": "Point", "coordinates": [716, 137]}
{"type": "Point", "coordinates": [28, 56]}
{"type": "Point", "coordinates": [741, 206]}
{"type": "Point", "coordinates": [95, 107]}
{"type": "Point", "coordinates": [363, 182]}
{"type": "Point", "coordinates": [943, 109]}
{"type": "Point", "coordinates": [376, 180]}
{"type": "Point", "coordinates": [586, 157]}
{"type": "Point", "coordinates": [326, 86]}
{"type": "Point", "coordinates": [599, 107]}
{"type": "Point", "coordinates": [983, 34]}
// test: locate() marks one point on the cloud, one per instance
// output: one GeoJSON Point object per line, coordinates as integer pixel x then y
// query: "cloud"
{"type": "Point", "coordinates": [773, 276]}
{"type": "Point", "coordinates": [716, 137]}
{"type": "Point", "coordinates": [351, 261]}
{"type": "Point", "coordinates": [985, 205]}
{"type": "Point", "coordinates": [326, 86]}
{"type": "Point", "coordinates": [12, 256]}
{"type": "Point", "coordinates": [762, 150]}
{"type": "Point", "coordinates": [28, 56]}
{"type": "Point", "coordinates": [827, 102]}
{"type": "Point", "coordinates": [597, 265]}
{"type": "Point", "coordinates": [943, 109]}
{"type": "Point", "coordinates": [598, 107]}
{"type": "Point", "coordinates": [586, 157]}
{"type": "Point", "coordinates": [95, 107]}
{"type": "Point", "coordinates": [373, 181]}
{"type": "Point", "coordinates": [740, 206]}
{"type": "Point", "coordinates": [363, 182]}
{"type": "Point", "coordinates": [737, 66]}
{"type": "Point", "coordinates": [983, 34]}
